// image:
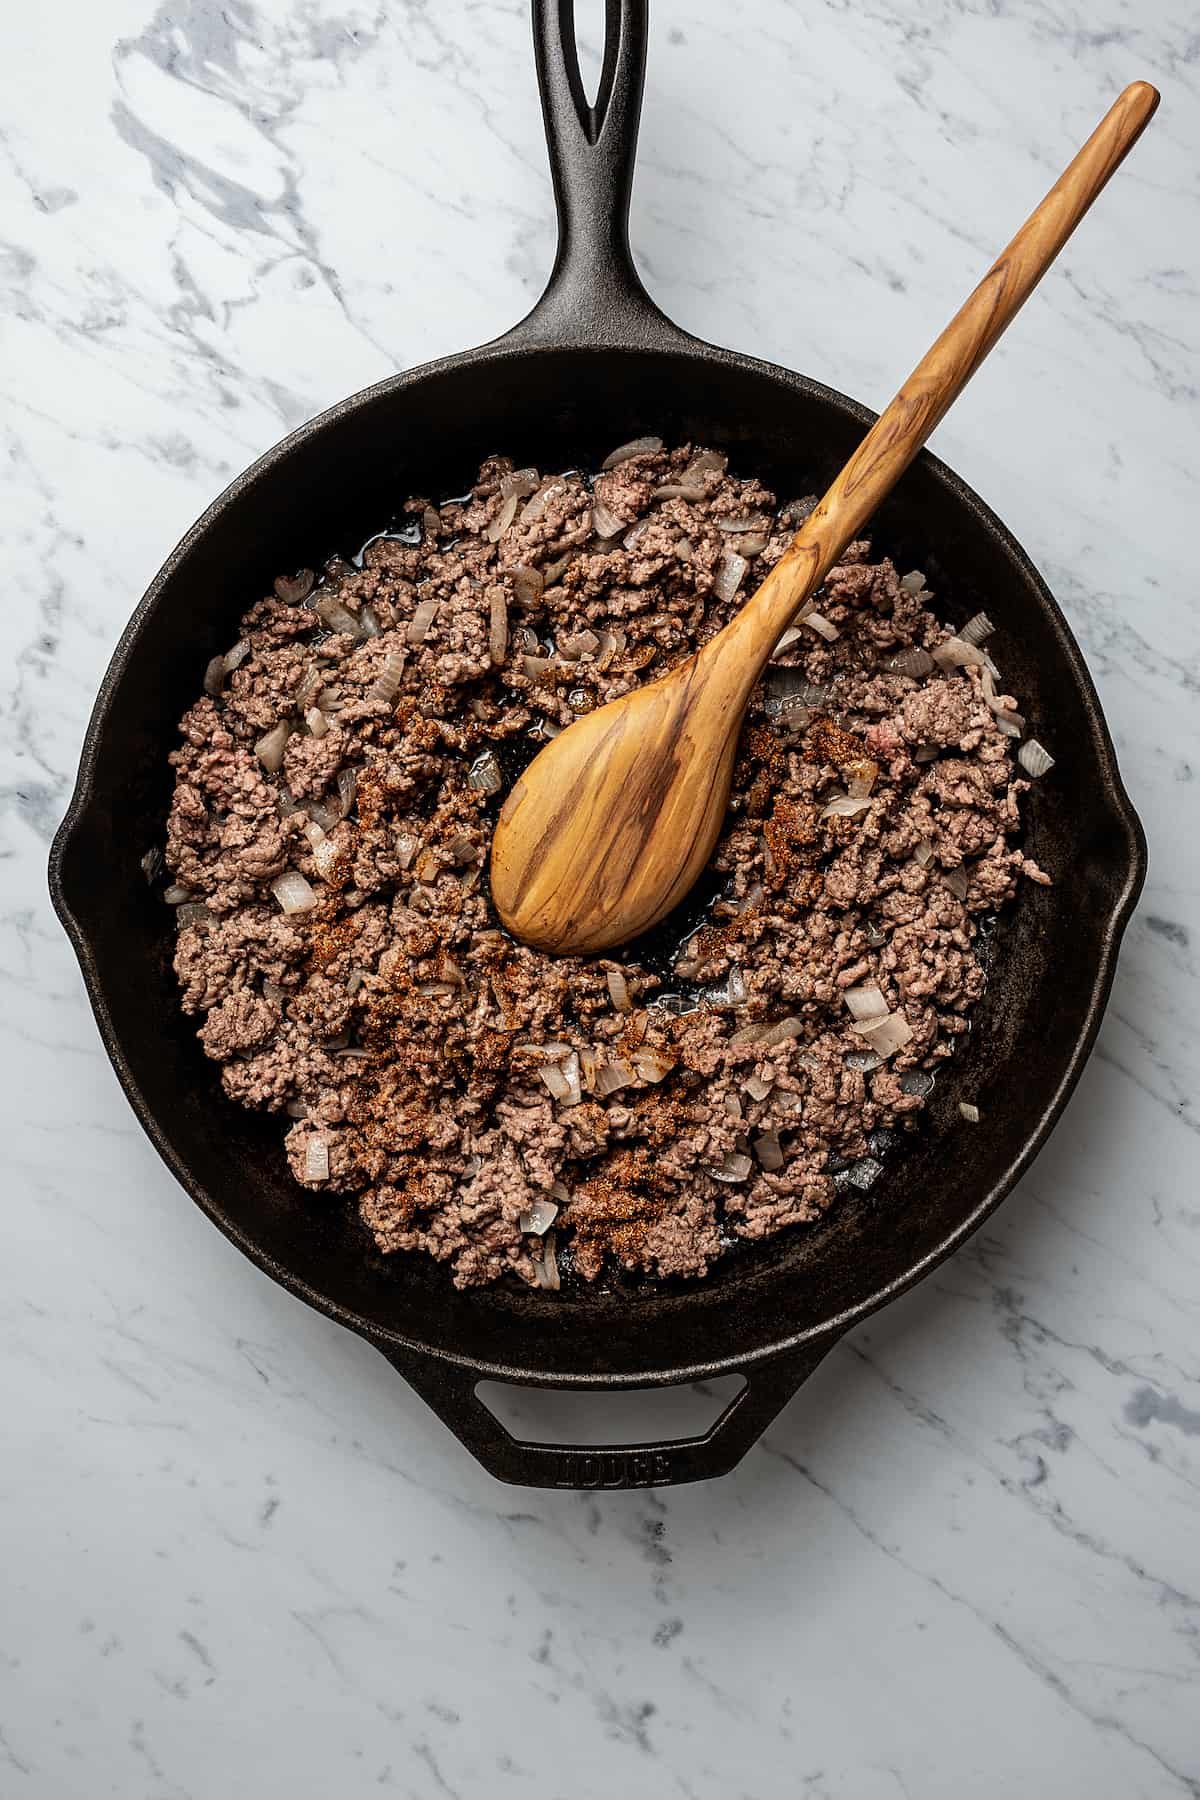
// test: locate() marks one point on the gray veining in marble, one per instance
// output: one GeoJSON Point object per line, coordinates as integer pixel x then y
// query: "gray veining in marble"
{"type": "Point", "coordinates": [239, 1555]}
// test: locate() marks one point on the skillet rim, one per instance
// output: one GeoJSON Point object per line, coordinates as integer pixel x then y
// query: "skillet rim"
{"type": "Point", "coordinates": [1129, 859]}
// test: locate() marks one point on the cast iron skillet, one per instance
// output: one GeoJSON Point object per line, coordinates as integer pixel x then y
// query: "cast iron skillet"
{"type": "Point", "coordinates": [595, 363]}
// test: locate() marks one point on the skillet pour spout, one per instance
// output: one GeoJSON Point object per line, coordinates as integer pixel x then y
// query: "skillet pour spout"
{"type": "Point", "coordinates": [594, 364]}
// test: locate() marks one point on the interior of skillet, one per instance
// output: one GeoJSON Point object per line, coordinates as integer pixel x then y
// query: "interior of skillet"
{"type": "Point", "coordinates": [331, 489]}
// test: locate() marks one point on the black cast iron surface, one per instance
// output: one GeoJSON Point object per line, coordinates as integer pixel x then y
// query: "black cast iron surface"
{"type": "Point", "coordinates": [595, 363]}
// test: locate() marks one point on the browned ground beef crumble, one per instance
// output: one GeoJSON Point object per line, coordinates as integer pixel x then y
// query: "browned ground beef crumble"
{"type": "Point", "coordinates": [452, 1078]}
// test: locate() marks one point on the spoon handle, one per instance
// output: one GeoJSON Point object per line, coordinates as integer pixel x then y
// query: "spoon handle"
{"type": "Point", "coordinates": [944, 370]}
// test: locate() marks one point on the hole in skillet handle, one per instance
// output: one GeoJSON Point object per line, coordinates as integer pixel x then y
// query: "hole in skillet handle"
{"type": "Point", "coordinates": [609, 1418]}
{"type": "Point", "coordinates": [454, 1393]}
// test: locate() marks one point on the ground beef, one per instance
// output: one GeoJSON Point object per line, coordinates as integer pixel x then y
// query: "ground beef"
{"type": "Point", "coordinates": [466, 1088]}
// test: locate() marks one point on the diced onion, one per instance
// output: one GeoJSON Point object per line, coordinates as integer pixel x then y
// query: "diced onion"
{"type": "Point", "coordinates": [958, 881]}
{"type": "Point", "coordinates": [732, 993]}
{"type": "Point", "coordinates": [977, 629]}
{"type": "Point", "coordinates": [860, 776]}
{"type": "Point", "coordinates": [316, 721]}
{"type": "Point", "coordinates": [538, 1217]}
{"type": "Point", "coordinates": [923, 854]}
{"type": "Point", "coordinates": [176, 894]}
{"type": "Point", "coordinates": [608, 645]}
{"type": "Point", "coordinates": [546, 1267]}
{"type": "Point", "coordinates": [1034, 758]}
{"type": "Point", "coordinates": [792, 636]}
{"type": "Point", "coordinates": [913, 582]}
{"type": "Point", "coordinates": [887, 1035]}
{"type": "Point", "coordinates": [612, 1076]}
{"type": "Point", "coordinates": [1006, 716]}
{"type": "Point", "coordinates": [618, 989]}
{"type": "Point", "coordinates": [484, 774]}
{"type": "Point", "coordinates": [821, 625]}
{"type": "Point", "coordinates": [652, 1065]}
{"type": "Point", "coordinates": [503, 519]}
{"type": "Point", "coordinates": [735, 1168]}
{"type": "Point", "coordinates": [368, 621]}
{"type": "Point", "coordinates": [386, 684]}
{"type": "Point", "coordinates": [639, 446]}
{"type": "Point", "coordinates": [706, 462]}
{"type": "Point", "coordinates": [424, 615]}
{"type": "Point", "coordinates": [527, 584]}
{"type": "Point", "coordinates": [233, 659]}
{"type": "Point", "coordinates": [556, 1082]}
{"type": "Point", "coordinates": [775, 1034]}
{"type": "Point", "coordinates": [756, 1087]}
{"type": "Point", "coordinates": [969, 1112]}
{"type": "Point", "coordinates": [521, 482]}
{"type": "Point", "coordinates": [331, 612]}
{"type": "Point", "coordinates": [535, 507]}
{"type": "Point", "coordinates": [192, 913]}
{"type": "Point", "coordinates": [844, 806]}
{"type": "Point", "coordinates": [461, 849]}
{"type": "Point", "coordinates": [497, 629]}
{"type": "Point", "coordinates": [768, 1150]}
{"type": "Point", "coordinates": [605, 522]}
{"type": "Point", "coordinates": [327, 857]}
{"type": "Point", "coordinates": [214, 676]}
{"type": "Point", "coordinates": [347, 787]}
{"type": "Point", "coordinates": [866, 1002]}
{"type": "Point", "coordinates": [728, 577]}
{"type": "Point", "coordinates": [316, 1159]}
{"type": "Point", "coordinates": [956, 653]}
{"type": "Point", "coordinates": [573, 645]}
{"type": "Point", "coordinates": [562, 1079]}
{"type": "Point", "coordinates": [406, 848]}
{"type": "Point", "coordinates": [270, 748]}
{"type": "Point", "coordinates": [914, 662]}
{"type": "Point", "coordinates": [450, 971]}
{"type": "Point", "coordinates": [293, 892]}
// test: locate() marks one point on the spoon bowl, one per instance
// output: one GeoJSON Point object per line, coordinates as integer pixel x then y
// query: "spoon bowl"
{"type": "Point", "coordinates": [610, 825]}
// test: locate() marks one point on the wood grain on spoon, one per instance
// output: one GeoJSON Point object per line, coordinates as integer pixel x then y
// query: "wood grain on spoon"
{"type": "Point", "coordinates": [610, 825]}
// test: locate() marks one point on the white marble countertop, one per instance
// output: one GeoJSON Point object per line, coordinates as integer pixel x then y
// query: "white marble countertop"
{"type": "Point", "coordinates": [240, 1557]}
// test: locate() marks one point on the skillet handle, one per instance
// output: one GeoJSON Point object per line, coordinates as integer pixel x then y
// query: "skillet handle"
{"type": "Point", "coordinates": [594, 295]}
{"type": "Point", "coordinates": [451, 1392]}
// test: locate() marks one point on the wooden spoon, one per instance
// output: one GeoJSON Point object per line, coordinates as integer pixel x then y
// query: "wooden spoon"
{"type": "Point", "coordinates": [612, 822]}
